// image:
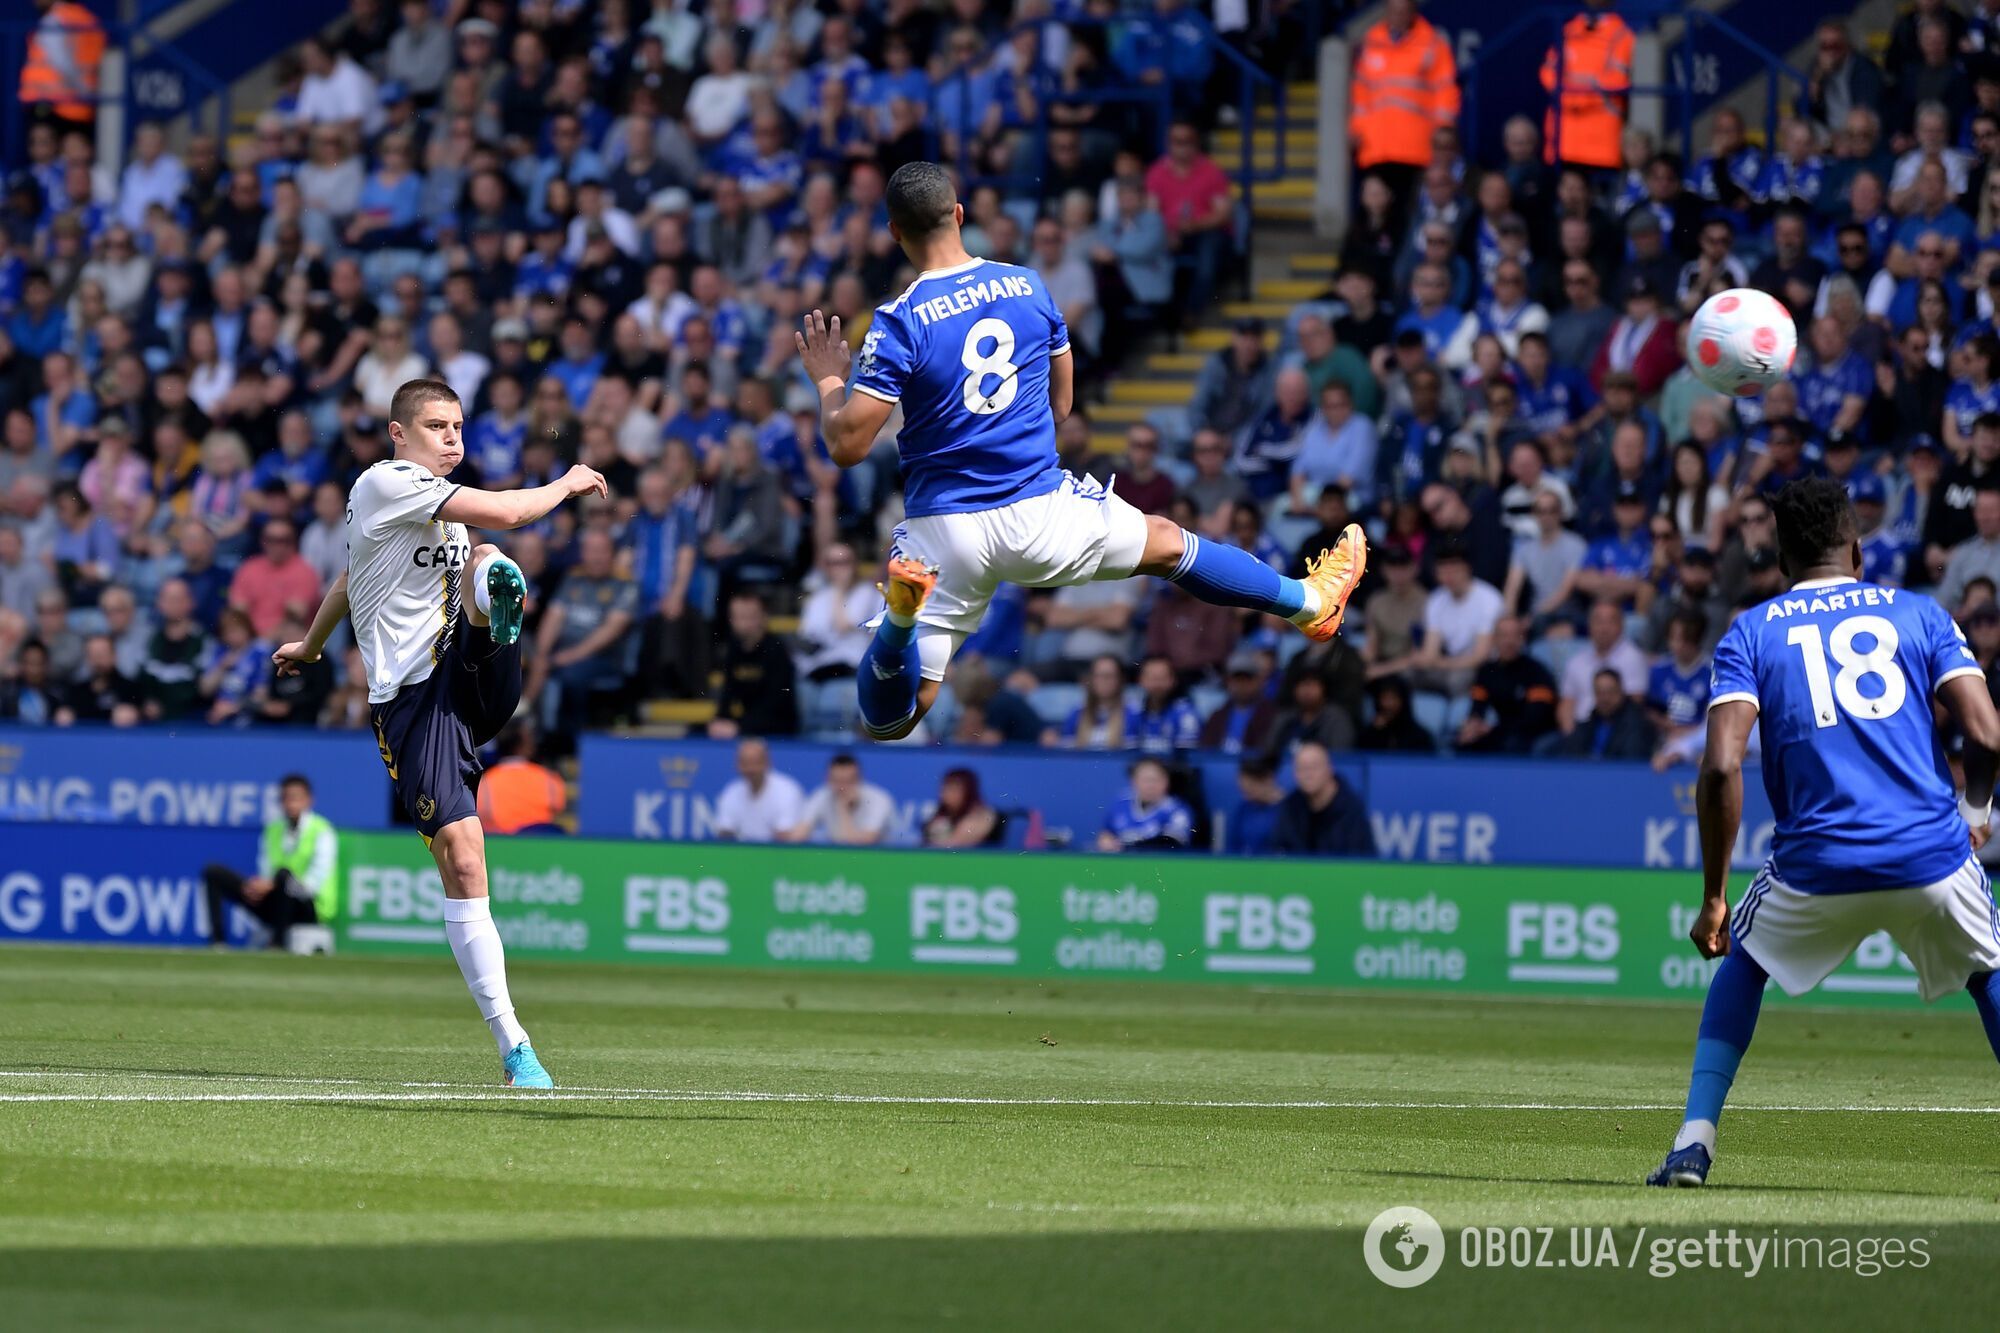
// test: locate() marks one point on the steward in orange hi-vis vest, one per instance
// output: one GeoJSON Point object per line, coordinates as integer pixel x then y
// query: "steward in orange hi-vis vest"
{"type": "Point", "coordinates": [63, 55]}
{"type": "Point", "coordinates": [1596, 64]}
{"type": "Point", "coordinates": [1405, 86]}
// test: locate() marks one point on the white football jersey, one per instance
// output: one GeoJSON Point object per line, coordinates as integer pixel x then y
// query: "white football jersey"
{"type": "Point", "coordinates": [403, 573]}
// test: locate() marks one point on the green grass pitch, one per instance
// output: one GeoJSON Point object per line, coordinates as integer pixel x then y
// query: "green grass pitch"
{"type": "Point", "coordinates": [202, 1141]}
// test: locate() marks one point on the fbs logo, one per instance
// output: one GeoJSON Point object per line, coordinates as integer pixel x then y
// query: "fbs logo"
{"type": "Point", "coordinates": [1404, 1247]}
{"type": "Point", "coordinates": [426, 807]}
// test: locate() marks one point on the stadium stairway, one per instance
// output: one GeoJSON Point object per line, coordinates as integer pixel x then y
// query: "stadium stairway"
{"type": "Point", "coordinates": [1287, 264]}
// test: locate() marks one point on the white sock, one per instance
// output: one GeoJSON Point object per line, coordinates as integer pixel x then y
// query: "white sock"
{"type": "Point", "coordinates": [1310, 611]}
{"type": "Point", "coordinates": [1697, 1131]}
{"type": "Point", "coordinates": [468, 925]}
{"type": "Point", "coordinates": [906, 622]}
{"type": "Point", "coordinates": [482, 596]}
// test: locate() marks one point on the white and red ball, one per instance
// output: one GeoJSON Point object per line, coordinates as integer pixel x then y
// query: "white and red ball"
{"type": "Point", "coordinates": [1741, 341]}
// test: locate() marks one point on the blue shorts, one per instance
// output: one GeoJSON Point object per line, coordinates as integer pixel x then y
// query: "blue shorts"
{"type": "Point", "coordinates": [429, 734]}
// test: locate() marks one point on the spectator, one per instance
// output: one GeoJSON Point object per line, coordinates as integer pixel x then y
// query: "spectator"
{"type": "Point", "coordinates": [1840, 81]}
{"type": "Point", "coordinates": [296, 698]}
{"type": "Point", "coordinates": [1099, 721]}
{"type": "Point", "coordinates": [1616, 728]}
{"type": "Point", "coordinates": [1693, 592]}
{"type": "Point", "coordinates": [276, 583]}
{"type": "Point", "coordinates": [755, 694]}
{"type": "Point", "coordinates": [1254, 819]}
{"type": "Point", "coordinates": [581, 647]}
{"type": "Point", "coordinates": [1242, 724]}
{"type": "Point", "coordinates": [1236, 383]}
{"type": "Point", "coordinates": [832, 633]}
{"type": "Point", "coordinates": [1607, 648]}
{"type": "Point", "coordinates": [22, 579]}
{"type": "Point", "coordinates": [1148, 817]}
{"type": "Point", "coordinates": [1320, 817]}
{"type": "Point", "coordinates": [1677, 692]}
{"type": "Point", "coordinates": [32, 697]}
{"type": "Point", "coordinates": [235, 664]}
{"type": "Point", "coordinates": [1619, 564]}
{"type": "Point", "coordinates": [1580, 328]}
{"type": "Point", "coordinates": [1140, 482]}
{"type": "Point", "coordinates": [1391, 727]}
{"type": "Point", "coordinates": [1162, 720]}
{"type": "Point", "coordinates": [1193, 198]}
{"type": "Point", "coordinates": [846, 811]}
{"type": "Point", "coordinates": [1978, 556]}
{"type": "Point", "coordinates": [1093, 621]}
{"type": "Point", "coordinates": [1309, 718]}
{"type": "Point", "coordinates": [1459, 616]}
{"type": "Point", "coordinates": [170, 680]}
{"type": "Point", "coordinates": [1513, 697]}
{"type": "Point", "coordinates": [102, 694]}
{"type": "Point", "coordinates": [1214, 487]}
{"type": "Point", "coordinates": [1641, 343]}
{"type": "Point", "coordinates": [1194, 637]}
{"type": "Point", "coordinates": [962, 818]}
{"type": "Point", "coordinates": [1133, 264]}
{"type": "Point", "coordinates": [1394, 615]}
{"type": "Point", "coordinates": [1337, 448]}
{"type": "Point", "coordinates": [295, 884]}
{"type": "Point", "coordinates": [760, 805]}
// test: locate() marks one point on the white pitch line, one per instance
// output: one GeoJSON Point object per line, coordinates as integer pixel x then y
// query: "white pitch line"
{"type": "Point", "coordinates": [465, 1093]}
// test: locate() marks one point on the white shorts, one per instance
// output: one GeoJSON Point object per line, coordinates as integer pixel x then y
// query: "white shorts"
{"type": "Point", "coordinates": [1948, 930]}
{"type": "Point", "coordinates": [1077, 533]}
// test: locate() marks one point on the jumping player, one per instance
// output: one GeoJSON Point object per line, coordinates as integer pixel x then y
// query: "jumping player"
{"type": "Point", "coordinates": [443, 676]}
{"type": "Point", "coordinates": [1838, 677]}
{"type": "Point", "coordinates": [978, 355]}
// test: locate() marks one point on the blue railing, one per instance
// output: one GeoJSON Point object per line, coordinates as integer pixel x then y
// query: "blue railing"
{"type": "Point", "coordinates": [1253, 85]}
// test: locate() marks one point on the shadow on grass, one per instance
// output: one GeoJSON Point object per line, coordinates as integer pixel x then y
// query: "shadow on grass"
{"type": "Point", "coordinates": [1149, 1281]}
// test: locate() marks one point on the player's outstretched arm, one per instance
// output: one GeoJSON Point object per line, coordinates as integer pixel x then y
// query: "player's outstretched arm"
{"type": "Point", "coordinates": [848, 422]}
{"type": "Point", "coordinates": [1972, 704]}
{"type": "Point", "coordinates": [1718, 803]}
{"type": "Point", "coordinates": [332, 610]}
{"type": "Point", "coordinates": [504, 510]}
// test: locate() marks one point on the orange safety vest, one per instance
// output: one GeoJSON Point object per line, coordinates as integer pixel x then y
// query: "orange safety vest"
{"type": "Point", "coordinates": [1404, 88]}
{"type": "Point", "coordinates": [63, 55]}
{"type": "Point", "coordinates": [1596, 63]}
{"type": "Point", "coordinates": [515, 795]}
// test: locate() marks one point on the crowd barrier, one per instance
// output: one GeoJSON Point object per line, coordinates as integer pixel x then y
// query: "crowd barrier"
{"type": "Point", "coordinates": [1356, 924]}
{"type": "Point", "coordinates": [1436, 810]}
{"type": "Point", "coordinates": [198, 776]}
{"type": "Point", "coordinates": [113, 883]}
{"type": "Point", "coordinates": [1349, 924]}
{"type": "Point", "coordinates": [1423, 809]}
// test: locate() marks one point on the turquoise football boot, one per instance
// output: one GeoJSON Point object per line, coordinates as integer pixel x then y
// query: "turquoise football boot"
{"type": "Point", "coordinates": [523, 1070]}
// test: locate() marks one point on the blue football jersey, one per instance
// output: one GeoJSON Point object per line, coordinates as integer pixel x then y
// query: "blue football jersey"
{"type": "Point", "coordinates": [1842, 673]}
{"type": "Point", "coordinates": [966, 351]}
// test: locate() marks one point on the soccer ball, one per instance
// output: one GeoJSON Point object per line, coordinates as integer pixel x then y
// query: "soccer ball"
{"type": "Point", "coordinates": [1741, 341]}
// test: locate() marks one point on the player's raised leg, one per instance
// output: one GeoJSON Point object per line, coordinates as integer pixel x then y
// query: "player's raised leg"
{"type": "Point", "coordinates": [1226, 576]}
{"type": "Point", "coordinates": [891, 675]}
{"type": "Point", "coordinates": [499, 590]}
{"type": "Point", "coordinates": [460, 850]}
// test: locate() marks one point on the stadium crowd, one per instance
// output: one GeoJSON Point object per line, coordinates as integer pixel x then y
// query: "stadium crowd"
{"type": "Point", "coordinates": [600, 224]}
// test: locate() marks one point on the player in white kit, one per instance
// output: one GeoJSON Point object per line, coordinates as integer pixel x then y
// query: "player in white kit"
{"type": "Point", "coordinates": [443, 675]}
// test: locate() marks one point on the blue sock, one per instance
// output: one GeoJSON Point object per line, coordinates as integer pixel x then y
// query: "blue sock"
{"type": "Point", "coordinates": [1226, 576]}
{"type": "Point", "coordinates": [1985, 988]}
{"type": "Point", "coordinates": [1728, 1020]}
{"type": "Point", "coordinates": [886, 681]}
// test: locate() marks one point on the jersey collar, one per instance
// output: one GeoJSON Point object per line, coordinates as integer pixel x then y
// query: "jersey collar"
{"type": "Point", "coordinates": [1811, 584]}
{"type": "Point", "coordinates": [969, 264]}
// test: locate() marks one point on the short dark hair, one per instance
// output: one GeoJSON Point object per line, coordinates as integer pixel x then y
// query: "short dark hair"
{"type": "Point", "coordinates": [1693, 623]}
{"type": "Point", "coordinates": [843, 760]}
{"type": "Point", "coordinates": [921, 199]}
{"type": "Point", "coordinates": [1815, 520]}
{"type": "Point", "coordinates": [1257, 767]}
{"type": "Point", "coordinates": [295, 780]}
{"type": "Point", "coordinates": [415, 395]}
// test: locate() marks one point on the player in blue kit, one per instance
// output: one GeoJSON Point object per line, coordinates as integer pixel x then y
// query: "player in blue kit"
{"type": "Point", "coordinates": [978, 356]}
{"type": "Point", "coordinates": [1838, 675]}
